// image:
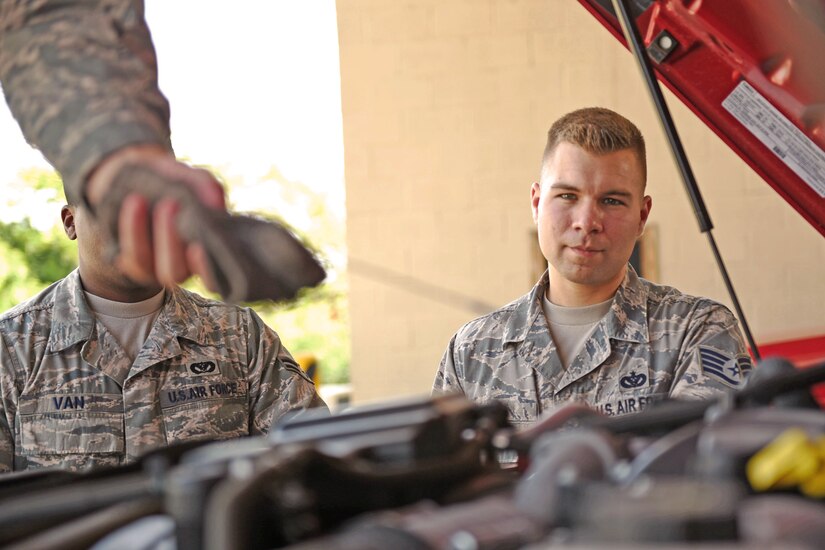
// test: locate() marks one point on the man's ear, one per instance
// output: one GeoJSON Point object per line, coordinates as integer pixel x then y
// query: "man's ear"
{"type": "Point", "coordinates": [535, 196]}
{"type": "Point", "coordinates": [647, 204]}
{"type": "Point", "coordinates": [67, 215]}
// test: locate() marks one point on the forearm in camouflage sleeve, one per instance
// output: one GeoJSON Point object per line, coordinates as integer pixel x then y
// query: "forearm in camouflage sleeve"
{"type": "Point", "coordinates": [80, 77]}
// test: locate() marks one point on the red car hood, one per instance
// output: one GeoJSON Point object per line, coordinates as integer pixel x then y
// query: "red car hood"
{"type": "Point", "coordinates": [754, 72]}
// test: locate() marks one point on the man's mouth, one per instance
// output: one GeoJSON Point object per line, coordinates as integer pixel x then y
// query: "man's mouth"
{"type": "Point", "coordinates": [585, 250]}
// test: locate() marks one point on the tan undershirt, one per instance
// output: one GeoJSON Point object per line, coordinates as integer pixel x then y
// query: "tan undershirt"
{"type": "Point", "coordinates": [570, 327]}
{"type": "Point", "coordinates": [129, 323]}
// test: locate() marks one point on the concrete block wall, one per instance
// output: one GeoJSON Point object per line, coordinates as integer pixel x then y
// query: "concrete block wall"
{"type": "Point", "coordinates": [446, 105]}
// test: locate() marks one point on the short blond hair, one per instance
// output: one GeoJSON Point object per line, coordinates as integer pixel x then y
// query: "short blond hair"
{"type": "Point", "coordinates": [598, 131]}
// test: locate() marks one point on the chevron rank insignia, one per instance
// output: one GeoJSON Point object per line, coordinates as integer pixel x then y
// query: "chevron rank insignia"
{"type": "Point", "coordinates": [731, 371]}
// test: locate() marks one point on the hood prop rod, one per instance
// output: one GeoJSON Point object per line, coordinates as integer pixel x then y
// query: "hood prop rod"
{"type": "Point", "coordinates": [636, 45]}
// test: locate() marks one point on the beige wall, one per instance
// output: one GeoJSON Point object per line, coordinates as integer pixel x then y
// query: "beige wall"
{"type": "Point", "coordinates": [446, 104]}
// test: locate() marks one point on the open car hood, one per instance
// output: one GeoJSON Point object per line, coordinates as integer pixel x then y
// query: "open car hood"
{"type": "Point", "coordinates": [754, 72]}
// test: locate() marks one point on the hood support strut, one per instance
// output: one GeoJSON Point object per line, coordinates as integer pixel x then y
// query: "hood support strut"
{"type": "Point", "coordinates": [636, 45]}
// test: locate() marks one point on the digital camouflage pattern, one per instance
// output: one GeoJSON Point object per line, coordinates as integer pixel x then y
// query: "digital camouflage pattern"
{"type": "Point", "coordinates": [650, 345]}
{"type": "Point", "coordinates": [70, 397]}
{"type": "Point", "coordinates": [80, 77]}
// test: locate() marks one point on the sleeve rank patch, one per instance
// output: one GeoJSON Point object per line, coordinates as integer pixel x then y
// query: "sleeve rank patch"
{"type": "Point", "coordinates": [731, 371]}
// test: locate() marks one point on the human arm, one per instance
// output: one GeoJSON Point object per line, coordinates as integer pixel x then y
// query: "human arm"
{"type": "Point", "coordinates": [277, 384]}
{"type": "Point", "coordinates": [713, 359]}
{"type": "Point", "coordinates": [80, 77]}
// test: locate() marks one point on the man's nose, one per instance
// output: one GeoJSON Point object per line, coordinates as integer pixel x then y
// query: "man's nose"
{"type": "Point", "coordinates": [587, 217]}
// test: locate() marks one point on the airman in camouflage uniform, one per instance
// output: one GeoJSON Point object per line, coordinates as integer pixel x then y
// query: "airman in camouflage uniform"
{"type": "Point", "coordinates": [650, 345]}
{"type": "Point", "coordinates": [591, 331]}
{"type": "Point", "coordinates": [70, 397]}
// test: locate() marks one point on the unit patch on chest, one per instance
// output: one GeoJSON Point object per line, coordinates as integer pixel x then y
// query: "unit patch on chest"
{"type": "Point", "coordinates": [633, 380]}
{"type": "Point", "coordinates": [203, 368]}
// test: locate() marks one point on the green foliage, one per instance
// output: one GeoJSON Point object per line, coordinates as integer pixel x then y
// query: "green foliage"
{"type": "Point", "coordinates": [319, 326]}
{"type": "Point", "coordinates": [31, 259]}
{"type": "Point", "coordinates": [44, 180]}
{"type": "Point", "coordinates": [47, 256]}
{"type": "Point", "coordinates": [16, 284]}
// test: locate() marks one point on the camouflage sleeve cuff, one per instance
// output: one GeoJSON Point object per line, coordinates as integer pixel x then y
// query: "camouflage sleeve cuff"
{"type": "Point", "coordinates": [80, 77]}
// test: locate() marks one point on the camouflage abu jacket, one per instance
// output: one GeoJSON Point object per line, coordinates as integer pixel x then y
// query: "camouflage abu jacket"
{"type": "Point", "coordinates": [80, 77]}
{"type": "Point", "coordinates": [654, 342]}
{"type": "Point", "coordinates": [69, 396]}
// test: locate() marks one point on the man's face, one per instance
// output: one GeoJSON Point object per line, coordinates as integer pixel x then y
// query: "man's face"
{"type": "Point", "coordinates": [589, 210]}
{"type": "Point", "coordinates": [98, 275]}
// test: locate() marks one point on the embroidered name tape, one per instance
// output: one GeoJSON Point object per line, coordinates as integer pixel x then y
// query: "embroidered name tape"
{"type": "Point", "coordinates": [190, 393]}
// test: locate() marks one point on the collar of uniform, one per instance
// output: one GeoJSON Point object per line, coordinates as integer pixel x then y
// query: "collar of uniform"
{"type": "Point", "coordinates": [525, 312]}
{"type": "Point", "coordinates": [627, 318]}
{"type": "Point", "coordinates": [182, 318]}
{"type": "Point", "coordinates": [72, 319]}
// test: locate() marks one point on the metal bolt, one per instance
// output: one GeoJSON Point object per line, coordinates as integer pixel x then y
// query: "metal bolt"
{"type": "Point", "coordinates": [568, 475]}
{"type": "Point", "coordinates": [462, 540]}
{"type": "Point", "coordinates": [501, 441]}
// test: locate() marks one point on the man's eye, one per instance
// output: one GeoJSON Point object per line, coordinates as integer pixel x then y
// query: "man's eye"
{"type": "Point", "coordinates": [613, 202]}
{"type": "Point", "coordinates": [567, 196]}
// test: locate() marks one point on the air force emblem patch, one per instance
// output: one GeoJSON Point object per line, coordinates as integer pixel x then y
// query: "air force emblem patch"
{"type": "Point", "coordinates": [633, 380]}
{"type": "Point", "coordinates": [731, 371]}
{"type": "Point", "coordinates": [202, 368]}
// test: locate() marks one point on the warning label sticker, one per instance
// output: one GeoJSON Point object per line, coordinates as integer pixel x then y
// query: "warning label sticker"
{"type": "Point", "coordinates": [778, 134]}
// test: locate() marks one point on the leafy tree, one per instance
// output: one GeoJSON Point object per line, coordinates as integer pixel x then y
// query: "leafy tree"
{"type": "Point", "coordinates": [47, 256]}
{"type": "Point", "coordinates": [31, 258]}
